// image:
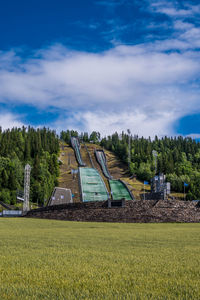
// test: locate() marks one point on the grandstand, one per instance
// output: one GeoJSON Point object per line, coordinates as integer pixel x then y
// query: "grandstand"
{"type": "Point", "coordinates": [76, 146]}
{"type": "Point", "coordinates": [92, 185]}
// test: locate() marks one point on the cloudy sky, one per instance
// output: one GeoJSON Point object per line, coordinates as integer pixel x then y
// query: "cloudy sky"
{"type": "Point", "coordinates": [104, 65]}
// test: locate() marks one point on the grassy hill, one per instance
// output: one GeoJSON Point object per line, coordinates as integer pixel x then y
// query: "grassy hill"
{"type": "Point", "coordinates": [69, 162]}
{"type": "Point", "coordinates": [117, 169]}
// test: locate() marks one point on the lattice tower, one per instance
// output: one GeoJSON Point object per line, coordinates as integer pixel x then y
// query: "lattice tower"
{"type": "Point", "coordinates": [27, 172]}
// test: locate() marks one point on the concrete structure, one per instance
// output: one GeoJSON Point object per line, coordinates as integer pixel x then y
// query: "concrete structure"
{"type": "Point", "coordinates": [60, 196]}
{"type": "Point", "coordinates": [159, 187]}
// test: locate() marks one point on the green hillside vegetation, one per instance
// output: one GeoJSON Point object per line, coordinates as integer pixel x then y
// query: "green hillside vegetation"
{"type": "Point", "coordinates": [74, 260]}
{"type": "Point", "coordinates": [40, 149]}
{"type": "Point", "coordinates": [178, 157]}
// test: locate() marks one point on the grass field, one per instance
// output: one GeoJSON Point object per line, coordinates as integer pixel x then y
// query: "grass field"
{"type": "Point", "coordinates": [45, 259]}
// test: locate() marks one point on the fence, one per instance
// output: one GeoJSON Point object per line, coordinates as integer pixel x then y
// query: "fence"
{"type": "Point", "coordinates": [11, 213]}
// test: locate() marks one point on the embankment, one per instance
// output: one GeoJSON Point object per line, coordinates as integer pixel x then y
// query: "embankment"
{"type": "Point", "coordinates": [134, 212]}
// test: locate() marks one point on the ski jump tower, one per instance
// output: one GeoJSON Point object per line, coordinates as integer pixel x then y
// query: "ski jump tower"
{"type": "Point", "coordinates": [27, 172]}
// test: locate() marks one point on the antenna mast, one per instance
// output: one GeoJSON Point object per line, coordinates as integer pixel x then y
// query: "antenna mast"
{"type": "Point", "coordinates": [155, 154]}
{"type": "Point", "coordinates": [27, 172]}
{"type": "Point", "coordinates": [129, 147]}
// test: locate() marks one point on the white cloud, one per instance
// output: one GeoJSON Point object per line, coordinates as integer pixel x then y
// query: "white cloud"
{"type": "Point", "coordinates": [116, 76]}
{"type": "Point", "coordinates": [107, 123]}
{"type": "Point", "coordinates": [185, 34]}
{"type": "Point", "coordinates": [180, 25]}
{"type": "Point", "coordinates": [8, 120]}
{"type": "Point", "coordinates": [173, 9]}
{"type": "Point", "coordinates": [144, 87]}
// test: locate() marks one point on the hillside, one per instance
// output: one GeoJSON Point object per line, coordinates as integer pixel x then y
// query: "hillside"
{"type": "Point", "coordinates": [69, 162]}
{"type": "Point", "coordinates": [117, 169]}
{"type": "Point", "coordinates": [177, 157]}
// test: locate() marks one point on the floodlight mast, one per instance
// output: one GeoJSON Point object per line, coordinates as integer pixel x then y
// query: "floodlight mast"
{"type": "Point", "coordinates": [27, 172]}
{"type": "Point", "coordinates": [129, 147]}
{"type": "Point", "coordinates": [155, 154]}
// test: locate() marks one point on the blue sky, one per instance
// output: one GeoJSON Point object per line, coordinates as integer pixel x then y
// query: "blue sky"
{"type": "Point", "coordinates": [101, 65]}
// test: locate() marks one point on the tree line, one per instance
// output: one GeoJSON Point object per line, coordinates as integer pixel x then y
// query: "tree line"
{"type": "Point", "coordinates": [37, 147]}
{"type": "Point", "coordinates": [177, 157]}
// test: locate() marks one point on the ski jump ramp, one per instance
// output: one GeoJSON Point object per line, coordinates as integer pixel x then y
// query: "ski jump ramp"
{"type": "Point", "coordinates": [118, 188]}
{"type": "Point", "coordinates": [76, 146]}
{"type": "Point", "coordinates": [101, 158]}
{"type": "Point", "coordinates": [92, 185]}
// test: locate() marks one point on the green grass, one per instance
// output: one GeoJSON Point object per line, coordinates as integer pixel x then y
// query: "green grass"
{"type": "Point", "coordinates": [45, 259]}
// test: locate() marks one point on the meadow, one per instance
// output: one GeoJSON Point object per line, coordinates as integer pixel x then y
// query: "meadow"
{"type": "Point", "coordinates": [46, 259]}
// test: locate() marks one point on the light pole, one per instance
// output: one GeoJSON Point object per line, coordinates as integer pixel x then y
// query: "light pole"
{"type": "Point", "coordinates": [129, 147]}
{"type": "Point", "coordinates": [155, 155]}
{"type": "Point", "coordinates": [27, 172]}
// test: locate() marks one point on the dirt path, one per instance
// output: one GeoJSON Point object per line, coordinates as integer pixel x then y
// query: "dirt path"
{"type": "Point", "coordinates": [85, 156]}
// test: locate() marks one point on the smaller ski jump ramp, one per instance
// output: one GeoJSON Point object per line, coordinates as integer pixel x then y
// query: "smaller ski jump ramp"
{"type": "Point", "coordinates": [101, 159]}
{"type": "Point", "coordinates": [76, 146]}
{"type": "Point", "coordinates": [119, 190]}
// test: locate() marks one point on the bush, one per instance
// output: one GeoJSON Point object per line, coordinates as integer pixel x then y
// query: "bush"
{"type": "Point", "coordinates": [5, 196]}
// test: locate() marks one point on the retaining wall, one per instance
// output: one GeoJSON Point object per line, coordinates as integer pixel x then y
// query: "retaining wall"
{"type": "Point", "coordinates": [134, 211]}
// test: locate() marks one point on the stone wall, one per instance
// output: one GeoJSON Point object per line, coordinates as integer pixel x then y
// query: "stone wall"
{"type": "Point", "coordinates": [134, 211]}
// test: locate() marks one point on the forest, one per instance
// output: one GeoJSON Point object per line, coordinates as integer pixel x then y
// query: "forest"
{"type": "Point", "coordinates": [21, 146]}
{"type": "Point", "coordinates": [177, 157]}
